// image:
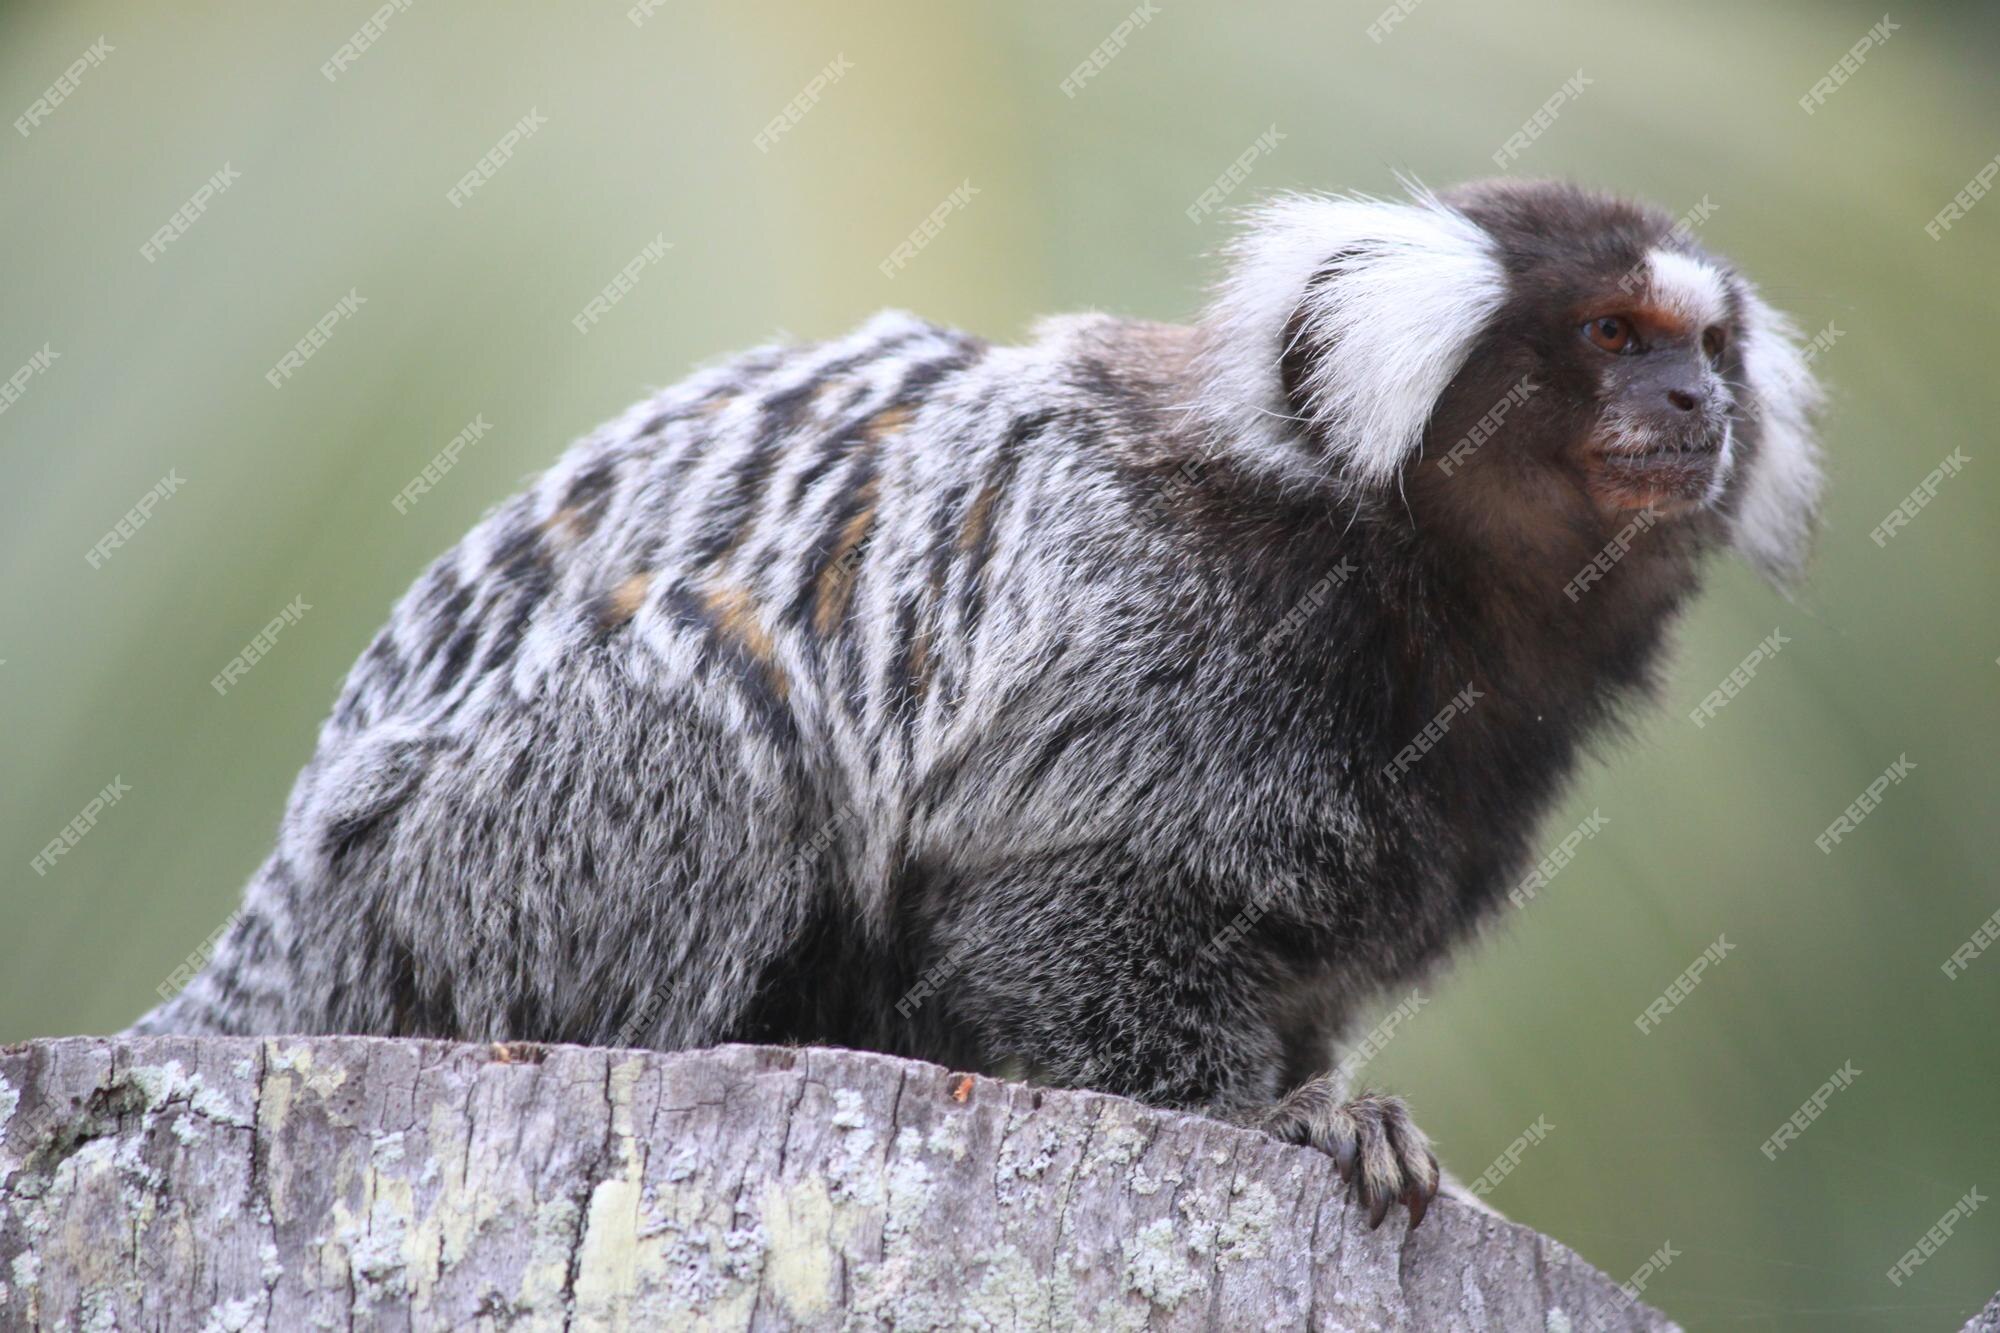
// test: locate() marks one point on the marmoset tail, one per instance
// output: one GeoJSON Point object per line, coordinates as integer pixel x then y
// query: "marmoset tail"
{"type": "Point", "coordinates": [1128, 708]}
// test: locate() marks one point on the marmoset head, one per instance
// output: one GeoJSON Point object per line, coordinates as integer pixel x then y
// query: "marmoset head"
{"type": "Point", "coordinates": [1530, 358]}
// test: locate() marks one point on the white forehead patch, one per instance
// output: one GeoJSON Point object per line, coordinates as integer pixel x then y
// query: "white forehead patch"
{"type": "Point", "coordinates": [1688, 287]}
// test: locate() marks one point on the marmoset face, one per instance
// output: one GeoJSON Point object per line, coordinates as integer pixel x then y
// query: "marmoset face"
{"type": "Point", "coordinates": [1656, 362]}
{"type": "Point", "coordinates": [1611, 378]}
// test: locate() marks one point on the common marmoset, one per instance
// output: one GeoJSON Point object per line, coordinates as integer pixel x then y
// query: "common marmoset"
{"type": "Point", "coordinates": [1128, 708]}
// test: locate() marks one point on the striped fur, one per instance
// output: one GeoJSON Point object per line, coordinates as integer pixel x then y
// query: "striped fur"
{"type": "Point", "coordinates": [906, 659]}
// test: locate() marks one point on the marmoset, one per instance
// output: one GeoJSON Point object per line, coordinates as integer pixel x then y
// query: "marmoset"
{"type": "Point", "coordinates": [1128, 709]}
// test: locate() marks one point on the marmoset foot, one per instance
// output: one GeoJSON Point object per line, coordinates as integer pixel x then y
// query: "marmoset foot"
{"type": "Point", "coordinates": [1374, 1143]}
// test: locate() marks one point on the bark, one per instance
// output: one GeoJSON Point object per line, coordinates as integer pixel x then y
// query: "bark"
{"type": "Point", "coordinates": [337, 1182]}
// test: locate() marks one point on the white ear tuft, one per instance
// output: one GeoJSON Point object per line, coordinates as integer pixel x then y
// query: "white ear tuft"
{"type": "Point", "coordinates": [1386, 299]}
{"type": "Point", "coordinates": [1780, 501]}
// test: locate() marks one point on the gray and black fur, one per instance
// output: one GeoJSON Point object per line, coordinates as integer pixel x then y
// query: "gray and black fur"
{"type": "Point", "coordinates": [840, 666]}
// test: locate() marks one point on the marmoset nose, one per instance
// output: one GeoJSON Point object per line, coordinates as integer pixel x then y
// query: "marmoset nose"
{"type": "Point", "coordinates": [1682, 399]}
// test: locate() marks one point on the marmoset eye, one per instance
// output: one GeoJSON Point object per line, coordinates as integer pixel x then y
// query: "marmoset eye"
{"type": "Point", "coordinates": [1613, 333]}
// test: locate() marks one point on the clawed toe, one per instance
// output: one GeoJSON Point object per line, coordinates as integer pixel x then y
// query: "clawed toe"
{"type": "Point", "coordinates": [1418, 1200]}
{"type": "Point", "coordinates": [1375, 1145]}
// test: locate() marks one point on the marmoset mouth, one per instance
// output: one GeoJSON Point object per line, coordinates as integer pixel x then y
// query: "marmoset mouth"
{"type": "Point", "coordinates": [1666, 478]}
{"type": "Point", "coordinates": [1706, 449]}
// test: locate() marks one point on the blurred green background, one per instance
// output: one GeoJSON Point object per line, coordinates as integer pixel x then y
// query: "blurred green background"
{"type": "Point", "coordinates": [1081, 202]}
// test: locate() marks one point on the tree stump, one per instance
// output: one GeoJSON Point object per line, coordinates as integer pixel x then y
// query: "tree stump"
{"type": "Point", "coordinates": [347, 1182]}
